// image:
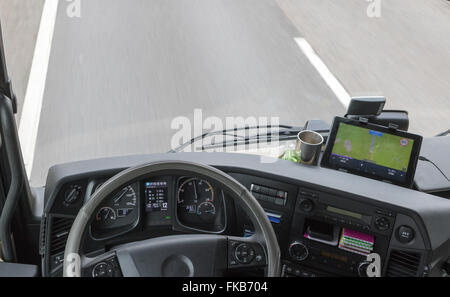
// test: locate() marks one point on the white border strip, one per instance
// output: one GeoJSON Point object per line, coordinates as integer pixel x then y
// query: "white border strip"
{"type": "Point", "coordinates": [323, 70]}
{"type": "Point", "coordinates": [31, 111]}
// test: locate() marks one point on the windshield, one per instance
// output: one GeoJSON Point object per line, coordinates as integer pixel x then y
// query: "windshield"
{"type": "Point", "coordinates": [105, 78]}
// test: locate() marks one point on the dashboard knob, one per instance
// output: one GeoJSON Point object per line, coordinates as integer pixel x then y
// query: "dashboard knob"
{"type": "Point", "coordinates": [362, 268]}
{"type": "Point", "coordinates": [72, 195]}
{"type": "Point", "coordinates": [382, 224]}
{"type": "Point", "coordinates": [367, 269]}
{"type": "Point", "coordinates": [307, 205]}
{"type": "Point", "coordinates": [298, 251]}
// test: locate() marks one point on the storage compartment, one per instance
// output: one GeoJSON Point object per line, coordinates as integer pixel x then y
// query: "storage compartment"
{"type": "Point", "coordinates": [322, 232]}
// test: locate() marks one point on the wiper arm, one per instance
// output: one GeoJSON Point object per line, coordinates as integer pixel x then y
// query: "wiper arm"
{"type": "Point", "coordinates": [251, 140]}
{"type": "Point", "coordinates": [444, 133]}
{"type": "Point", "coordinates": [283, 130]}
{"type": "Point", "coordinates": [285, 134]}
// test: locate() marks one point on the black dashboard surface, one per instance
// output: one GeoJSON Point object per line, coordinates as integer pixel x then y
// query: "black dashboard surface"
{"type": "Point", "coordinates": [427, 214]}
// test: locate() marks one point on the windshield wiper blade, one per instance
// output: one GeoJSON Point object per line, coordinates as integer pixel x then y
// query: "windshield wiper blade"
{"type": "Point", "coordinates": [283, 130]}
{"type": "Point", "coordinates": [444, 133]}
{"type": "Point", "coordinates": [249, 140]}
{"type": "Point", "coordinates": [284, 134]}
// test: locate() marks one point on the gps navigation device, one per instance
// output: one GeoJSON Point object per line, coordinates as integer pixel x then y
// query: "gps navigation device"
{"type": "Point", "coordinates": [372, 151]}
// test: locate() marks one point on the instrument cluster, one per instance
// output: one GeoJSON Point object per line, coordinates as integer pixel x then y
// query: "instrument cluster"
{"type": "Point", "coordinates": [190, 202]}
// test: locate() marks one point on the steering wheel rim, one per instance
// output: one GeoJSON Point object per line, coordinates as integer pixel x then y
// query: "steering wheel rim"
{"type": "Point", "coordinates": [263, 228]}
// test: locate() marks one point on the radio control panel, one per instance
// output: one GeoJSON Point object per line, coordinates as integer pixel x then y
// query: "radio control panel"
{"type": "Point", "coordinates": [353, 215]}
{"type": "Point", "coordinates": [336, 235]}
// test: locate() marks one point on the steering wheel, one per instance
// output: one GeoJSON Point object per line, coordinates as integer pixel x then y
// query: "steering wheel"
{"type": "Point", "coordinates": [192, 255]}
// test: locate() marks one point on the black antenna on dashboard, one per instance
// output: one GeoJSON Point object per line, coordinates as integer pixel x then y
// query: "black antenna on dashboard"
{"type": "Point", "coordinates": [5, 82]}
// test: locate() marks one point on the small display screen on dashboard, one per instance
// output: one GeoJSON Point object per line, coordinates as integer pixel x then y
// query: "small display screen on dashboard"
{"type": "Point", "coordinates": [156, 196]}
{"type": "Point", "coordinates": [344, 212]}
{"type": "Point", "coordinates": [373, 151]}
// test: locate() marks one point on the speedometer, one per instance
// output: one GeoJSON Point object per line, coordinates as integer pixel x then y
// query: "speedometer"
{"type": "Point", "coordinates": [194, 191]}
{"type": "Point", "coordinates": [199, 205]}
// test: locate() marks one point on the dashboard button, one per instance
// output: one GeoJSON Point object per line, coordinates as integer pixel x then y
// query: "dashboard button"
{"type": "Point", "coordinates": [256, 188]}
{"type": "Point", "coordinates": [261, 197]}
{"type": "Point", "coordinates": [102, 269]}
{"type": "Point", "coordinates": [244, 254]}
{"type": "Point", "coordinates": [270, 199]}
{"type": "Point", "coordinates": [281, 195]}
{"type": "Point", "coordinates": [264, 191]}
{"type": "Point", "coordinates": [279, 202]}
{"type": "Point", "coordinates": [307, 205]}
{"type": "Point", "coordinates": [382, 224]}
{"type": "Point", "coordinates": [405, 234]}
{"type": "Point", "coordinates": [384, 212]}
{"type": "Point", "coordinates": [273, 192]}
{"type": "Point", "coordinates": [303, 193]}
{"type": "Point", "coordinates": [259, 258]}
{"type": "Point", "coordinates": [257, 196]}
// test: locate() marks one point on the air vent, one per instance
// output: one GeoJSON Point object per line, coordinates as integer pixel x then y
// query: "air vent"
{"type": "Point", "coordinates": [403, 264]}
{"type": "Point", "coordinates": [60, 232]}
{"type": "Point", "coordinates": [42, 233]}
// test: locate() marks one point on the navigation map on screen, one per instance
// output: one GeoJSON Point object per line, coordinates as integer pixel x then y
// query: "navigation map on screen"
{"type": "Point", "coordinates": [386, 156]}
{"type": "Point", "coordinates": [372, 151]}
{"type": "Point", "coordinates": [374, 147]}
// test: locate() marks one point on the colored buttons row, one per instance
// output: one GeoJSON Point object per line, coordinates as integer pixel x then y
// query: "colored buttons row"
{"type": "Point", "coordinates": [269, 195]}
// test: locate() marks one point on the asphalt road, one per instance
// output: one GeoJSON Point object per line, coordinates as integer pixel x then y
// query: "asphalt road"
{"type": "Point", "coordinates": [403, 55]}
{"type": "Point", "coordinates": [122, 72]}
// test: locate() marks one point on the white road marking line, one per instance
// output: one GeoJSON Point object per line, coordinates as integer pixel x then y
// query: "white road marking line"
{"type": "Point", "coordinates": [31, 111]}
{"type": "Point", "coordinates": [323, 70]}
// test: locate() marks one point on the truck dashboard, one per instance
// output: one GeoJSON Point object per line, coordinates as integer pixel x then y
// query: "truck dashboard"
{"type": "Point", "coordinates": [326, 221]}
